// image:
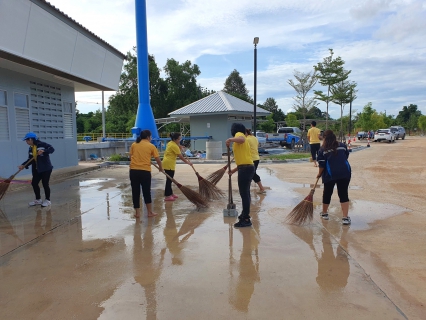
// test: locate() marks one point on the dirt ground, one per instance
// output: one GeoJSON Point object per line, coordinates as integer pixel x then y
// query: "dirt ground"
{"type": "Point", "coordinates": [392, 249]}
{"type": "Point", "coordinates": [87, 258]}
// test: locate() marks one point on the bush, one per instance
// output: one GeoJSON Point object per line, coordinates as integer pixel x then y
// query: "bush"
{"type": "Point", "coordinates": [118, 157]}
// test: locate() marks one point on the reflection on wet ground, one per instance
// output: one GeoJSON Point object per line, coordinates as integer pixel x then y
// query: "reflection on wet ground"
{"type": "Point", "coordinates": [87, 257]}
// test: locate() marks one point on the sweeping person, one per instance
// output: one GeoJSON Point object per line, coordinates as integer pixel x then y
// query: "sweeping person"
{"type": "Point", "coordinates": [245, 168]}
{"type": "Point", "coordinates": [314, 141]}
{"type": "Point", "coordinates": [334, 169]}
{"type": "Point", "coordinates": [254, 150]}
{"type": "Point", "coordinates": [173, 150]}
{"type": "Point", "coordinates": [140, 154]}
{"type": "Point", "coordinates": [41, 167]}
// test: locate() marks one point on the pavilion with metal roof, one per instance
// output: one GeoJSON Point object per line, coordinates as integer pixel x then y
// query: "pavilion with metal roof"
{"type": "Point", "coordinates": [214, 115]}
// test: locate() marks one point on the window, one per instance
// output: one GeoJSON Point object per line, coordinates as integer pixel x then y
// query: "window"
{"type": "Point", "coordinates": [3, 98]}
{"type": "Point", "coordinates": [22, 114]}
{"type": "Point", "coordinates": [68, 123]}
{"type": "Point", "coordinates": [21, 100]}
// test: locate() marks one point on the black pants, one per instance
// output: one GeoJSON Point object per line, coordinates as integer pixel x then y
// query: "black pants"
{"type": "Point", "coordinates": [256, 177]}
{"type": "Point", "coordinates": [44, 177]}
{"type": "Point", "coordinates": [314, 150]}
{"type": "Point", "coordinates": [168, 189]}
{"type": "Point", "coordinates": [245, 175]}
{"type": "Point", "coordinates": [342, 190]}
{"type": "Point", "coordinates": [140, 178]}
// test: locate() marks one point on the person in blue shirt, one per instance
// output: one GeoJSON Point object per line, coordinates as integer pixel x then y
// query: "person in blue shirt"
{"type": "Point", "coordinates": [334, 169]}
{"type": "Point", "coordinates": [41, 167]}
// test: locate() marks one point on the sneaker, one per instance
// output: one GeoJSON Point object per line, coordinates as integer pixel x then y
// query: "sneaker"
{"type": "Point", "coordinates": [169, 198]}
{"type": "Point", "coordinates": [174, 196]}
{"type": "Point", "coordinates": [46, 203]}
{"type": "Point", "coordinates": [324, 215]}
{"type": "Point", "coordinates": [346, 221]}
{"type": "Point", "coordinates": [35, 202]}
{"type": "Point", "coordinates": [242, 224]}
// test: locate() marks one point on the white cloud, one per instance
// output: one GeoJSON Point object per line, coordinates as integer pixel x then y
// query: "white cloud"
{"type": "Point", "coordinates": [382, 41]}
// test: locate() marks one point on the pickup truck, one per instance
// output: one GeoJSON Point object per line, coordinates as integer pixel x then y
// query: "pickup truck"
{"type": "Point", "coordinates": [286, 136]}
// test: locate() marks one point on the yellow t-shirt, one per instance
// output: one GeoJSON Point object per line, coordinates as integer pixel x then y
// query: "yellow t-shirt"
{"type": "Point", "coordinates": [242, 152]}
{"type": "Point", "coordinates": [313, 134]}
{"type": "Point", "coordinates": [141, 154]}
{"type": "Point", "coordinates": [34, 150]}
{"type": "Point", "coordinates": [254, 147]}
{"type": "Point", "coordinates": [169, 159]}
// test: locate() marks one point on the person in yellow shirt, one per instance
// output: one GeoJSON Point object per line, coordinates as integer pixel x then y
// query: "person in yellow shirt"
{"type": "Point", "coordinates": [141, 153]}
{"type": "Point", "coordinates": [254, 150]}
{"type": "Point", "coordinates": [314, 141]}
{"type": "Point", "coordinates": [169, 163]}
{"type": "Point", "coordinates": [245, 168]}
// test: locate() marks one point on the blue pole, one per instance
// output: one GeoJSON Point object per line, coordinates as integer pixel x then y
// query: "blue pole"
{"type": "Point", "coordinates": [144, 117]}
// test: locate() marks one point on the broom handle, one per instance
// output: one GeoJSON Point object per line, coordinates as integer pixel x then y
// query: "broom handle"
{"type": "Point", "coordinates": [174, 181]}
{"type": "Point", "coordinates": [230, 181]}
{"type": "Point", "coordinates": [184, 155]}
{"type": "Point", "coordinates": [25, 164]}
{"type": "Point", "coordinates": [316, 182]}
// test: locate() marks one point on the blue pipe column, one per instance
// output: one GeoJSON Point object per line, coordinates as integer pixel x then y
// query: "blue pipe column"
{"type": "Point", "coordinates": [144, 117]}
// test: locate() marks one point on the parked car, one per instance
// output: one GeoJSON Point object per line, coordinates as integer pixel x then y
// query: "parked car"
{"type": "Point", "coordinates": [384, 135]}
{"type": "Point", "coordinates": [261, 137]}
{"type": "Point", "coordinates": [362, 135]}
{"type": "Point", "coordinates": [398, 131]}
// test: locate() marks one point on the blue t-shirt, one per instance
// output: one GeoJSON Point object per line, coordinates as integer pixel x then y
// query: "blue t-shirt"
{"type": "Point", "coordinates": [335, 164]}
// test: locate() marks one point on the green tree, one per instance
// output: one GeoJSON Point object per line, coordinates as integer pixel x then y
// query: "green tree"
{"type": "Point", "coordinates": [304, 83]}
{"type": "Point", "coordinates": [235, 86]}
{"type": "Point", "coordinates": [365, 121]}
{"type": "Point", "coordinates": [291, 120]}
{"type": "Point", "coordinates": [404, 115]}
{"type": "Point", "coordinates": [329, 73]}
{"type": "Point", "coordinates": [268, 125]}
{"type": "Point", "coordinates": [181, 83]}
{"type": "Point", "coordinates": [421, 123]}
{"type": "Point", "coordinates": [343, 93]}
{"type": "Point", "coordinates": [271, 105]}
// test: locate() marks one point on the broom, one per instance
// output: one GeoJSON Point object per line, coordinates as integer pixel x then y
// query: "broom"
{"type": "Point", "coordinates": [304, 210]}
{"type": "Point", "coordinates": [207, 189]}
{"type": "Point", "coordinates": [217, 175]}
{"type": "Point", "coordinates": [191, 195]}
{"type": "Point", "coordinates": [4, 185]}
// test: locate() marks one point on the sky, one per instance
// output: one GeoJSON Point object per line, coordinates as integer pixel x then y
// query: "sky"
{"type": "Point", "coordinates": [383, 43]}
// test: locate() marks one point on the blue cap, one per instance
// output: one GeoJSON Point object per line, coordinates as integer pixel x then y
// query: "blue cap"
{"type": "Point", "coordinates": [30, 135]}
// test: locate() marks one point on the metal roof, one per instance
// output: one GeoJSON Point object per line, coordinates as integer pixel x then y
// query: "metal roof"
{"type": "Point", "coordinates": [78, 25]}
{"type": "Point", "coordinates": [219, 102]}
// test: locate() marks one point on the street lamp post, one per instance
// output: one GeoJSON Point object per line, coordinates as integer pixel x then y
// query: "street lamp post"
{"type": "Point", "coordinates": [255, 42]}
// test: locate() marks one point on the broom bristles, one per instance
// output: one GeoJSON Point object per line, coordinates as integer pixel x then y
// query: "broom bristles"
{"type": "Point", "coordinates": [303, 212]}
{"type": "Point", "coordinates": [4, 185]}
{"type": "Point", "coordinates": [209, 191]}
{"type": "Point", "coordinates": [190, 194]}
{"type": "Point", "coordinates": [193, 196]}
{"type": "Point", "coordinates": [215, 177]}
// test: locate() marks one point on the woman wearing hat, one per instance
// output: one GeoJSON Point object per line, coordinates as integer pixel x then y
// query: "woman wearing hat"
{"type": "Point", "coordinates": [41, 169]}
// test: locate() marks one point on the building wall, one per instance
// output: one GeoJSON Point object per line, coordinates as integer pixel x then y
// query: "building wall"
{"type": "Point", "coordinates": [217, 126]}
{"type": "Point", "coordinates": [46, 108]}
{"type": "Point", "coordinates": [40, 35]}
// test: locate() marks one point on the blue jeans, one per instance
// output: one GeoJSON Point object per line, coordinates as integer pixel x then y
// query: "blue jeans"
{"type": "Point", "coordinates": [245, 175]}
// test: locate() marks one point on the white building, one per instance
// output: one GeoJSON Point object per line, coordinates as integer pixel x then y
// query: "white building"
{"type": "Point", "coordinates": [45, 57]}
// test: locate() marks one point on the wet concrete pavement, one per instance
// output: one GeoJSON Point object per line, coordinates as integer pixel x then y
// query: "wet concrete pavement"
{"type": "Point", "coordinates": [86, 257]}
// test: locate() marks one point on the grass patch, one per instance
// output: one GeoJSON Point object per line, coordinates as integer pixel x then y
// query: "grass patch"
{"type": "Point", "coordinates": [288, 156]}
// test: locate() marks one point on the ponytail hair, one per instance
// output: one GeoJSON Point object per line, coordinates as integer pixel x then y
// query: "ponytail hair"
{"type": "Point", "coordinates": [330, 141]}
{"type": "Point", "coordinates": [145, 134]}
{"type": "Point", "coordinates": [175, 135]}
{"type": "Point", "coordinates": [248, 131]}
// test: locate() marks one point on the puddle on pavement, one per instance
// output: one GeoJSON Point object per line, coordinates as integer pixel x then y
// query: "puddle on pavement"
{"type": "Point", "coordinates": [200, 254]}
